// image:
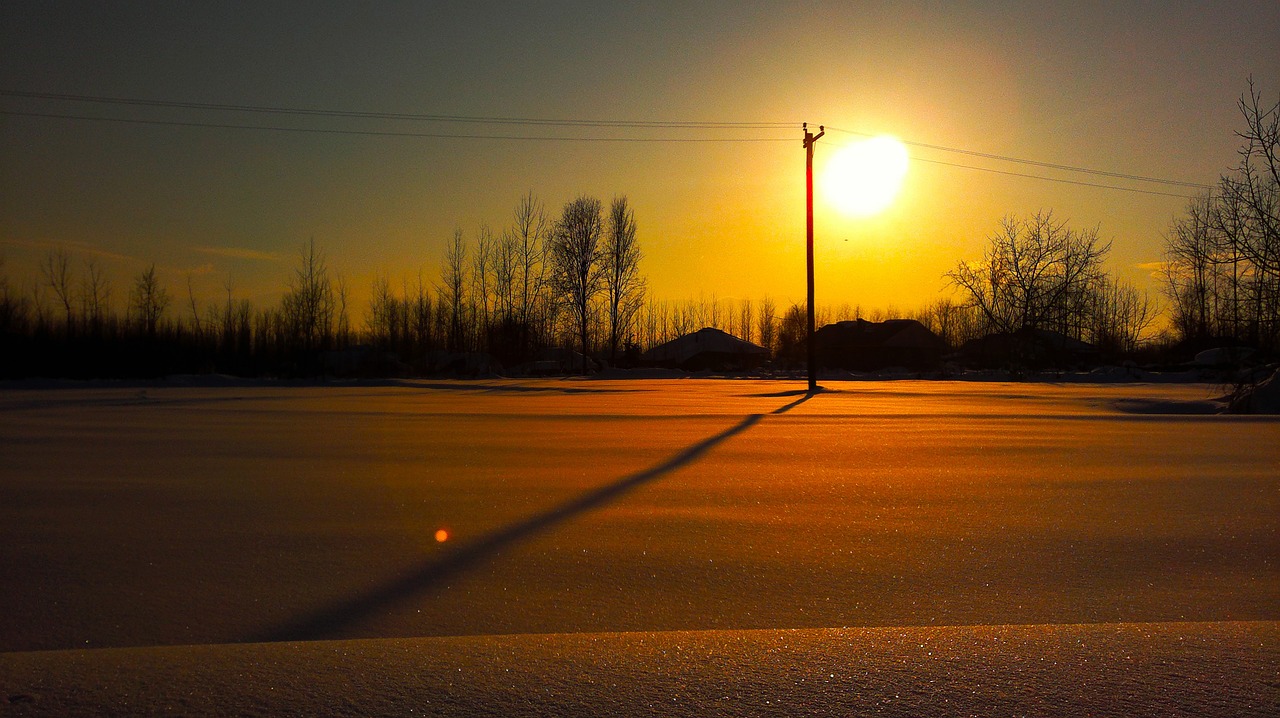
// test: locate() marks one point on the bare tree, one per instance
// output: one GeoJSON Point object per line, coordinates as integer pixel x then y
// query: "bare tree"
{"type": "Point", "coordinates": [482, 283]}
{"type": "Point", "coordinates": [575, 263]}
{"type": "Point", "coordinates": [423, 316]}
{"type": "Point", "coordinates": [95, 295]}
{"type": "Point", "coordinates": [529, 232]}
{"type": "Point", "coordinates": [1036, 274]}
{"type": "Point", "coordinates": [380, 319]}
{"type": "Point", "coordinates": [623, 283]}
{"type": "Point", "coordinates": [453, 285]}
{"type": "Point", "coordinates": [1121, 316]}
{"type": "Point", "coordinates": [1191, 253]}
{"type": "Point", "coordinates": [1256, 183]}
{"type": "Point", "coordinates": [308, 307]}
{"type": "Point", "coordinates": [56, 271]}
{"type": "Point", "coordinates": [195, 309]}
{"type": "Point", "coordinates": [148, 300]}
{"type": "Point", "coordinates": [343, 320]}
{"type": "Point", "coordinates": [13, 308]}
{"type": "Point", "coordinates": [504, 277]}
{"type": "Point", "coordinates": [1222, 258]}
{"type": "Point", "coordinates": [768, 324]}
{"type": "Point", "coordinates": [793, 330]}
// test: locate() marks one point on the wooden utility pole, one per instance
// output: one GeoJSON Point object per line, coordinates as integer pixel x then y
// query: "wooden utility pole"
{"type": "Point", "coordinates": [809, 139]}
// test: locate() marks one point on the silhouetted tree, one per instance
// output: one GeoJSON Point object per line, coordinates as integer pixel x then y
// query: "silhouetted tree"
{"type": "Point", "coordinates": [381, 320]}
{"type": "Point", "coordinates": [148, 301]}
{"type": "Point", "coordinates": [1120, 315]}
{"type": "Point", "coordinates": [793, 332]}
{"type": "Point", "coordinates": [768, 324]}
{"type": "Point", "coordinates": [1222, 258]}
{"type": "Point", "coordinates": [56, 271]}
{"type": "Point", "coordinates": [529, 235]}
{"type": "Point", "coordinates": [575, 263]}
{"type": "Point", "coordinates": [453, 285]}
{"type": "Point", "coordinates": [623, 283]}
{"type": "Point", "coordinates": [95, 296]}
{"type": "Point", "coordinates": [13, 308]}
{"type": "Point", "coordinates": [342, 329]}
{"type": "Point", "coordinates": [308, 307]}
{"type": "Point", "coordinates": [482, 282]}
{"type": "Point", "coordinates": [1036, 274]}
{"type": "Point", "coordinates": [954, 323]}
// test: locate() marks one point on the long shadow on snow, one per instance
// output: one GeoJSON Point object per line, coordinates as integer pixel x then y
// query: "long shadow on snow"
{"type": "Point", "coordinates": [329, 622]}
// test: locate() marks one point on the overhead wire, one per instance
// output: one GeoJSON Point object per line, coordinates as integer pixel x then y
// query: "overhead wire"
{"type": "Point", "coordinates": [567, 123]}
{"type": "Point", "coordinates": [473, 119]}
{"type": "Point", "coordinates": [1036, 177]}
{"type": "Point", "coordinates": [386, 133]}
{"type": "Point", "coordinates": [1037, 163]}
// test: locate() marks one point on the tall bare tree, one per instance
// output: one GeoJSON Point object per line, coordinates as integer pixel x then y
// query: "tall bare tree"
{"type": "Point", "coordinates": [309, 305]}
{"type": "Point", "coordinates": [768, 323]}
{"type": "Point", "coordinates": [56, 271]}
{"type": "Point", "coordinates": [746, 321]}
{"type": "Point", "coordinates": [1222, 258]}
{"type": "Point", "coordinates": [482, 282]}
{"type": "Point", "coordinates": [1037, 273]}
{"type": "Point", "coordinates": [13, 308]}
{"type": "Point", "coordinates": [148, 300]}
{"type": "Point", "coordinates": [623, 283]}
{"type": "Point", "coordinates": [453, 290]}
{"type": "Point", "coordinates": [528, 233]}
{"type": "Point", "coordinates": [95, 295]}
{"type": "Point", "coordinates": [575, 263]}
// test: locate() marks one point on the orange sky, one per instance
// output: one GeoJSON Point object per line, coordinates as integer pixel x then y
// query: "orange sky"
{"type": "Point", "coordinates": [1122, 87]}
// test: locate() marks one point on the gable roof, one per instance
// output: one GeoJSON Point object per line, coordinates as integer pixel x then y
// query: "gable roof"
{"type": "Point", "coordinates": [891, 333]}
{"type": "Point", "coordinates": [705, 340]}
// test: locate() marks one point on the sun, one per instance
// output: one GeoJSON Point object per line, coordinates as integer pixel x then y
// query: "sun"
{"type": "Point", "coordinates": [862, 179]}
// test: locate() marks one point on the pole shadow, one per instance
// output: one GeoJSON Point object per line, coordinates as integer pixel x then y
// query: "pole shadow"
{"type": "Point", "coordinates": [329, 622]}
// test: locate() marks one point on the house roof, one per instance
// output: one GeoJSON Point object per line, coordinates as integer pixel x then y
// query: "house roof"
{"type": "Point", "coordinates": [705, 340]}
{"type": "Point", "coordinates": [1040, 338]}
{"type": "Point", "coordinates": [891, 333]}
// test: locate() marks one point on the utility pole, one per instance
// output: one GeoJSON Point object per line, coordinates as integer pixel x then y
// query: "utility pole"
{"type": "Point", "coordinates": [809, 139]}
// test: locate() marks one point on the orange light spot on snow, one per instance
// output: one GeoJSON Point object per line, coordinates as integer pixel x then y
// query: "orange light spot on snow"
{"type": "Point", "coordinates": [441, 535]}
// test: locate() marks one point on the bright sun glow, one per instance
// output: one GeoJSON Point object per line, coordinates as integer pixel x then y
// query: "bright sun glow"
{"type": "Point", "coordinates": [863, 179]}
{"type": "Point", "coordinates": [442, 535]}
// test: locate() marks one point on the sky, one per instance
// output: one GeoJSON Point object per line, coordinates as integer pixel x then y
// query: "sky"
{"type": "Point", "coordinates": [1136, 88]}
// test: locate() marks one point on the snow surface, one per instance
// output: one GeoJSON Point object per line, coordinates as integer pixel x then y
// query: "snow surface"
{"type": "Point", "coordinates": [160, 515]}
{"type": "Point", "coordinates": [1123, 670]}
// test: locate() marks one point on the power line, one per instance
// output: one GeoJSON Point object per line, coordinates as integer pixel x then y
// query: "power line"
{"type": "Point", "coordinates": [1037, 177]}
{"type": "Point", "coordinates": [387, 133]}
{"type": "Point", "coordinates": [1036, 163]}
{"type": "Point", "coordinates": [474, 119]}
{"type": "Point", "coordinates": [543, 122]}
{"type": "Point", "coordinates": [1054, 179]}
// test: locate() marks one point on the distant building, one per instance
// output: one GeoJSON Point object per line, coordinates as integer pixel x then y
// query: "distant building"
{"type": "Point", "coordinates": [1033, 348]}
{"type": "Point", "coordinates": [707, 348]}
{"type": "Point", "coordinates": [866, 346]}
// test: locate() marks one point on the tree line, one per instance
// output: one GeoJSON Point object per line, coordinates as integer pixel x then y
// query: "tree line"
{"type": "Point", "coordinates": [569, 286]}
{"type": "Point", "coordinates": [569, 281]}
{"type": "Point", "coordinates": [1222, 257]}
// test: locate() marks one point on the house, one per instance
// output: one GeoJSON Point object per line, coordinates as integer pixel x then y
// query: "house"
{"type": "Point", "coordinates": [866, 346]}
{"type": "Point", "coordinates": [1033, 348]}
{"type": "Point", "coordinates": [707, 348]}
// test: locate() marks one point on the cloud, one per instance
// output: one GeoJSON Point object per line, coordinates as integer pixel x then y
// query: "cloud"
{"type": "Point", "coordinates": [70, 247]}
{"type": "Point", "coordinates": [1157, 269]}
{"type": "Point", "coordinates": [197, 271]}
{"type": "Point", "coordinates": [241, 253]}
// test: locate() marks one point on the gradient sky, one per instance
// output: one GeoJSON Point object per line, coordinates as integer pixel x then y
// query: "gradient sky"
{"type": "Point", "coordinates": [1131, 87]}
